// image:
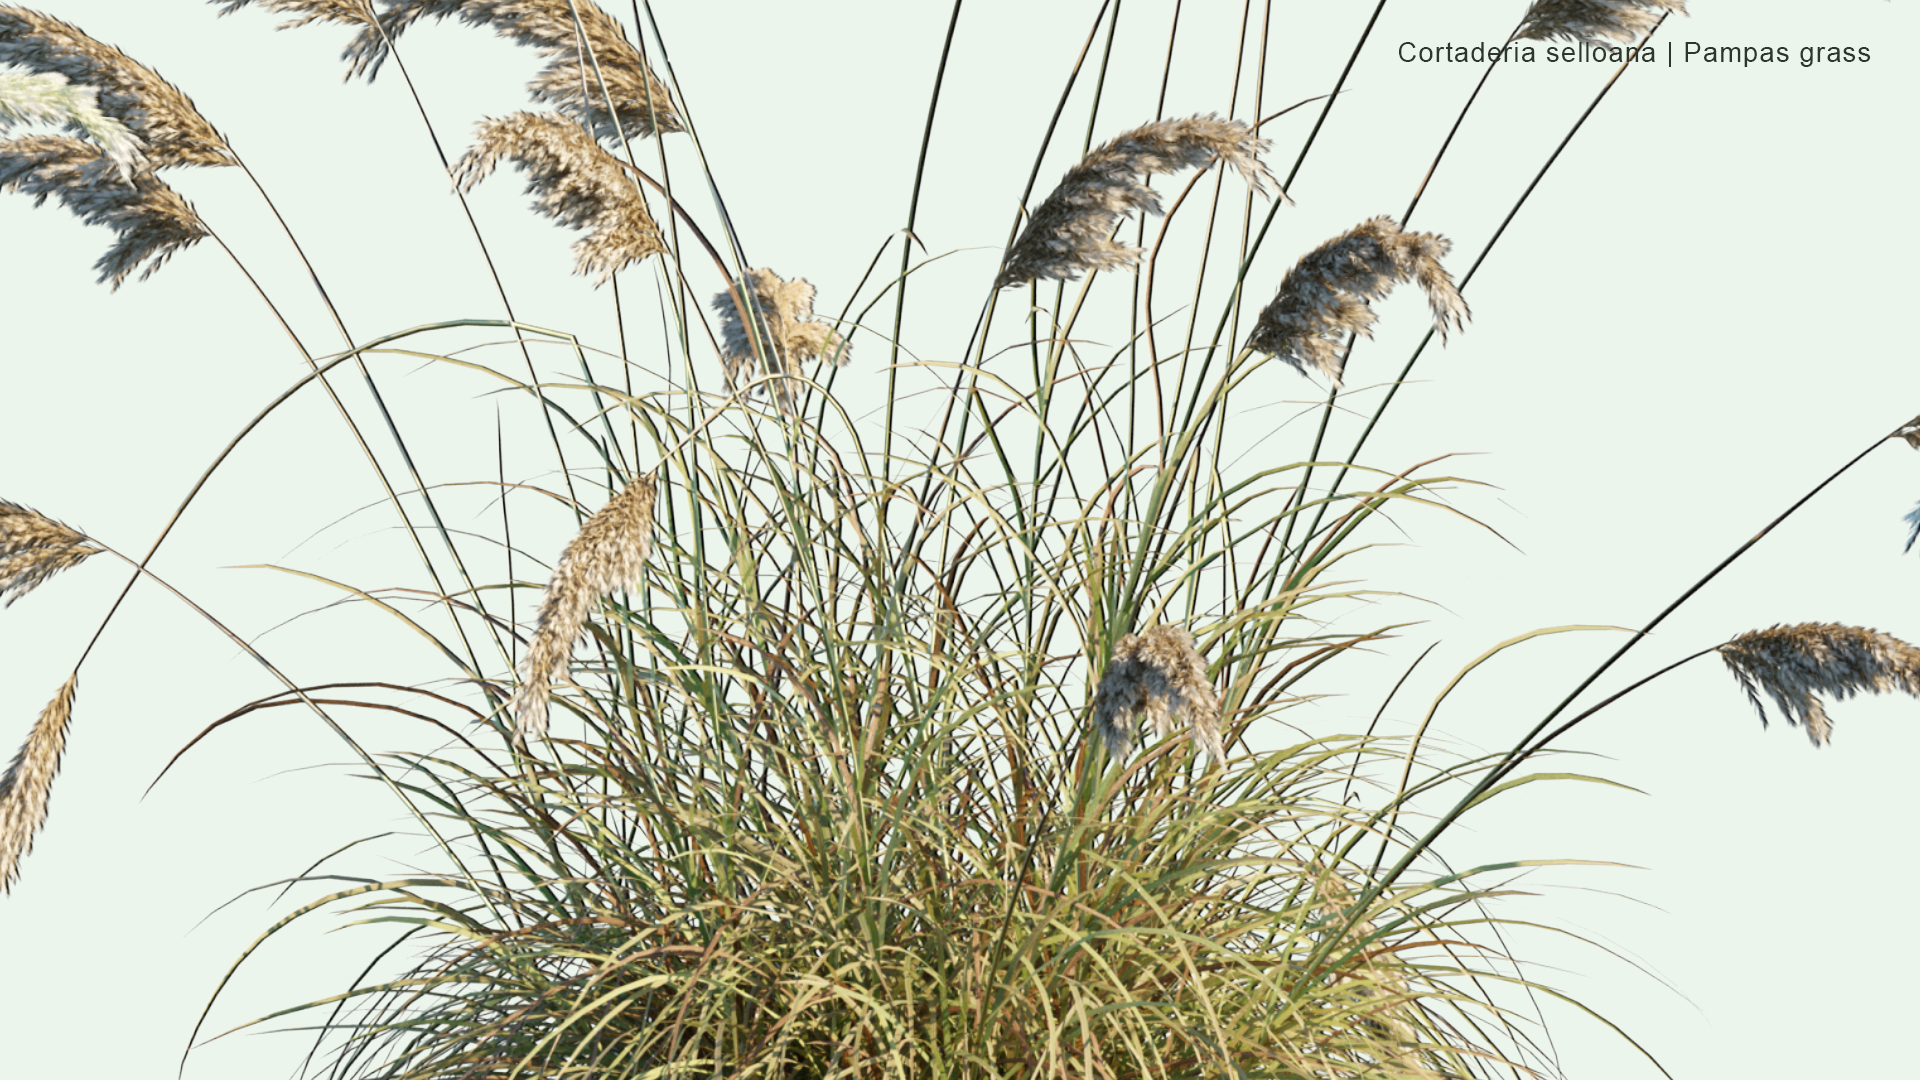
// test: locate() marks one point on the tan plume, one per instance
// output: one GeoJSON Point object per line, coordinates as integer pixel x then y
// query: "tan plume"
{"type": "Point", "coordinates": [1793, 663]}
{"type": "Point", "coordinates": [1157, 677]}
{"type": "Point", "coordinates": [28, 783]}
{"type": "Point", "coordinates": [784, 335]}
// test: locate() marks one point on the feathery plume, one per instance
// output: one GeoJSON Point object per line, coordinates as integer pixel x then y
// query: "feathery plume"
{"type": "Point", "coordinates": [1327, 294]}
{"type": "Point", "coordinates": [1792, 663]}
{"type": "Point", "coordinates": [571, 81]}
{"type": "Point", "coordinates": [152, 220]}
{"type": "Point", "coordinates": [1068, 234]}
{"type": "Point", "coordinates": [579, 185]}
{"type": "Point", "coordinates": [164, 118]}
{"type": "Point", "coordinates": [784, 331]}
{"type": "Point", "coordinates": [33, 548]}
{"type": "Point", "coordinates": [28, 784]}
{"type": "Point", "coordinates": [610, 552]}
{"type": "Point", "coordinates": [1157, 676]}
{"type": "Point", "coordinates": [50, 99]}
{"type": "Point", "coordinates": [348, 12]}
{"type": "Point", "coordinates": [1625, 21]}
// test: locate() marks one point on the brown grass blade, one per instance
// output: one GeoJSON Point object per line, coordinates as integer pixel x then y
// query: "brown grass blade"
{"type": "Point", "coordinates": [1068, 234]}
{"type": "Point", "coordinates": [785, 334]}
{"type": "Point", "coordinates": [1793, 663]}
{"type": "Point", "coordinates": [28, 784]}
{"type": "Point", "coordinates": [1327, 294]}
{"type": "Point", "coordinates": [577, 183]}
{"type": "Point", "coordinates": [610, 552]}
{"type": "Point", "coordinates": [1157, 677]}
{"type": "Point", "coordinates": [164, 118]}
{"type": "Point", "coordinates": [33, 548]}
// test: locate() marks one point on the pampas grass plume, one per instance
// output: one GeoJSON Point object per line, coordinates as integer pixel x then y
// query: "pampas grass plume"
{"type": "Point", "coordinates": [1327, 294]}
{"type": "Point", "coordinates": [151, 219]}
{"type": "Point", "coordinates": [610, 552]}
{"type": "Point", "coordinates": [1157, 677]}
{"type": "Point", "coordinates": [1625, 21]}
{"type": "Point", "coordinates": [1069, 234]}
{"type": "Point", "coordinates": [165, 119]}
{"type": "Point", "coordinates": [50, 99]}
{"type": "Point", "coordinates": [577, 183]}
{"type": "Point", "coordinates": [640, 101]}
{"type": "Point", "coordinates": [1793, 663]}
{"type": "Point", "coordinates": [28, 783]}
{"type": "Point", "coordinates": [33, 548]}
{"type": "Point", "coordinates": [785, 333]}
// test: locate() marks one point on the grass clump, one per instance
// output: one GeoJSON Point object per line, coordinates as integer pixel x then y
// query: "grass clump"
{"type": "Point", "coordinates": [951, 746]}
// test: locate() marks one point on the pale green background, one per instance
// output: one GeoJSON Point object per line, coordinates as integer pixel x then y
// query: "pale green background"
{"type": "Point", "coordinates": [1700, 314]}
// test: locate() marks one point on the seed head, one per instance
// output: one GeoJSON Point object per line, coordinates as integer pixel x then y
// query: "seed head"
{"type": "Point", "coordinates": [1327, 294]}
{"type": "Point", "coordinates": [152, 220]}
{"type": "Point", "coordinates": [1157, 677]}
{"type": "Point", "coordinates": [1792, 663]}
{"type": "Point", "coordinates": [1068, 234]}
{"type": "Point", "coordinates": [50, 99]}
{"type": "Point", "coordinates": [610, 552]}
{"type": "Point", "coordinates": [173, 131]}
{"type": "Point", "coordinates": [785, 334]}
{"type": "Point", "coordinates": [33, 548]}
{"type": "Point", "coordinates": [28, 783]}
{"type": "Point", "coordinates": [1625, 21]}
{"type": "Point", "coordinates": [579, 57]}
{"type": "Point", "coordinates": [577, 183]}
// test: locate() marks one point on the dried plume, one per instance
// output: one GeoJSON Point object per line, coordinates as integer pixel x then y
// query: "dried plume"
{"type": "Point", "coordinates": [1625, 21]}
{"type": "Point", "coordinates": [577, 183]}
{"type": "Point", "coordinates": [1793, 663]}
{"type": "Point", "coordinates": [164, 118]}
{"type": "Point", "coordinates": [50, 99]}
{"type": "Point", "coordinates": [1069, 234]}
{"type": "Point", "coordinates": [1327, 294]}
{"type": "Point", "coordinates": [1157, 677]}
{"type": "Point", "coordinates": [784, 335]}
{"type": "Point", "coordinates": [28, 784]}
{"type": "Point", "coordinates": [152, 220]}
{"type": "Point", "coordinates": [33, 548]}
{"type": "Point", "coordinates": [610, 552]}
{"type": "Point", "coordinates": [348, 12]}
{"type": "Point", "coordinates": [571, 81]}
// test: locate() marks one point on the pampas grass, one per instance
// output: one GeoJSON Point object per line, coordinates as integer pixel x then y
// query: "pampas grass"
{"type": "Point", "coordinates": [1625, 21]}
{"type": "Point", "coordinates": [577, 183]}
{"type": "Point", "coordinates": [1157, 678]}
{"type": "Point", "coordinates": [576, 81]}
{"type": "Point", "coordinates": [1793, 663]}
{"type": "Point", "coordinates": [1070, 233]}
{"type": "Point", "coordinates": [151, 219]}
{"type": "Point", "coordinates": [173, 131]}
{"type": "Point", "coordinates": [1327, 294]}
{"type": "Point", "coordinates": [33, 548]}
{"type": "Point", "coordinates": [50, 99]}
{"type": "Point", "coordinates": [28, 784]}
{"type": "Point", "coordinates": [610, 552]}
{"type": "Point", "coordinates": [785, 334]}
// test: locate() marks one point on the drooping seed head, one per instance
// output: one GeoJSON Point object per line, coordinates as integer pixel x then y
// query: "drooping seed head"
{"type": "Point", "coordinates": [345, 12]}
{"type": "Point", "coordinates": [28, 784]}
{"type": "Point", "coordinates": [1793, 663]}
{"type": "Point", "coordinates": [576, 183]}
{"type": "Point", "coordinates": [610, 552]}
{"type": "Point", "coordinates": [173, 131]}
{"type": "Point", "coordinates": [1625, 21]}
{"type": "Point", "coordinates": [589, 62]}
{"type": "Point", "coordinates": [784, 334]}
{"type": "Point", "coordinates": [151, 219]}
{"type": "Point", "coordinates": [33, 548]}
{"type": "Point", "coordinates": [1328, 294]}
{"type": "Point", "coordinates": [1153, 680]}
{"type": "Point", "coordinates": [1068, 235]}
{"type": "Point", "coordinates": [50, 99]}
